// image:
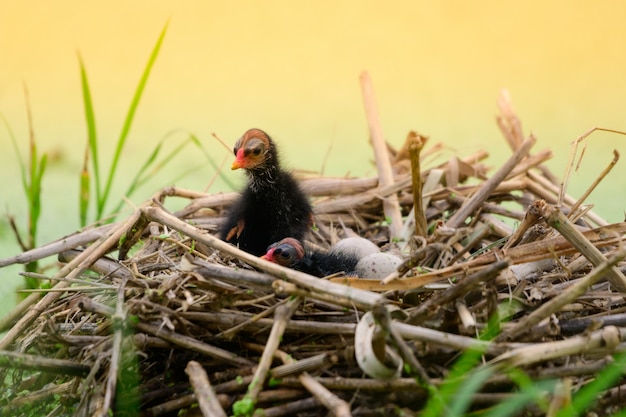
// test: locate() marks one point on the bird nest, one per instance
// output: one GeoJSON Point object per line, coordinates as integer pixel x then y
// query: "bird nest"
{"type": "Point", "coordinates": [187, 322]}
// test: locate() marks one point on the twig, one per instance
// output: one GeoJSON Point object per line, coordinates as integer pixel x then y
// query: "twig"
{"type": "Point", "coordinates": [465, 284]}
{"type": "Point", "coordinates": [415, 148]}
{"type": "Point", "coordinates": [282, 316]}
{"type": "Point", "coordinates": [207, 400]}
{"type": "Point", "coordinates": [570, 294]}
{"type": "Point", "coordinates": [488, 186]}
{"type": "Point", "coordinates": [595, 183]}
{"type": "Point", "coordinates": [40, 364]}
{"type": "Point", "coordinates": [560, 222]}
{"type": "Point", "coordinates": [390, 205]}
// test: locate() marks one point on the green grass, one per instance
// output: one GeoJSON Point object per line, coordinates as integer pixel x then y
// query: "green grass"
{"type": "Point", "coordinates": [103, 188]}
{"type": "Point", "coordinates": [32, 172]}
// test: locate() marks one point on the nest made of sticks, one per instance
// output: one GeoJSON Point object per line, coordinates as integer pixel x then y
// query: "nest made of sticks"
{"type": "Point", "coordinates": [187, 319]}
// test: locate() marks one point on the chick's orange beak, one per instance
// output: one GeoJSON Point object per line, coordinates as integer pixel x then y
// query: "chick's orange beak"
{"type": "Point", "coordinates": [239, 161]}
{"type": "Point", "coordinates": [269, 256]}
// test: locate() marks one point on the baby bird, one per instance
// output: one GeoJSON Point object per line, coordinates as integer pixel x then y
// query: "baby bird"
{"type": "Point", "coordinates": [272, 206]}
{"type": "Point", "coordinates": [290, 253]}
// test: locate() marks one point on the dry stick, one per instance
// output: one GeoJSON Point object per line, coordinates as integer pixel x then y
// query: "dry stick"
{"type": "Point", "coordinates": [118, 320]}
{"type": "Point", "coordinates": [568, 167]}
{"type": "Point", "coordinates": [512, 129]}
{"type": "Point", "coordinates": [564, 226]}
{"type": "Point", "coordinates": [186, 342]}
{"type": "Point", "coordinates": [605, 340]}
{"type": "Point", "coordinates": [570, 294]}
{"type": "Point", "coordinates": [597, 181]}
{"type": "Point", "coordinates": [207, 399]}
{"type": "Point", "coordinates": [336, 405]}
{"type": "Point", "coordinates": [415, 148]}
{"type": "Point", "coordinates": [490, 185]}
{"type": "Point", "coordinates": [530, 252]}
{"type": "Point", "coordinates": [70, 270]}
{"type": "Point", "coordinates": [442, 298]}
{"type": "Point", "coordinates": [60, 245]}
{"type": "Point", "coordinates": [383, 318]}
{"type": "Point", "coordinates": [282, 317]}
{"type": "Point", "coordinates": [531, 217]}
{"type": "Point", "coordinates": [383, 164]}
{"type": "Point", "coordinates": [39, 364]}
{"type": "Point", "coordinates": [351, 296]}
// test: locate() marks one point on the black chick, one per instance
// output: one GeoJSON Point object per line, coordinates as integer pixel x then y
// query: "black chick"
{"type": "Point", "coordinates": [272, 206]}
{"type": "Point", "coordinates": [289, 252]}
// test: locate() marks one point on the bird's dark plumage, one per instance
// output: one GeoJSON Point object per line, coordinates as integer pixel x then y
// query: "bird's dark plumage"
{"type": "Point", "coordinates": [272, 206]}
{"type": "Point", "coordinates": [289, 252]}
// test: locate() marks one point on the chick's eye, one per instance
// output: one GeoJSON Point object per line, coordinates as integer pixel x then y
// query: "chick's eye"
{"type": "Point", "coordinates": [256, 151]}
{"type": "Point", "coordinates": [235, 151]}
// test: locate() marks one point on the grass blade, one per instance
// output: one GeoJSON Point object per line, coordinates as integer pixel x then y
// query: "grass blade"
{"type": "Point", "coordinates": [17, 154]}
{"type": "Point", "coordinates": [91, 133]}
{"type": "Point", "coordinates": [129, 119]}
{"type": "Point", "coordinates": [85, 190]}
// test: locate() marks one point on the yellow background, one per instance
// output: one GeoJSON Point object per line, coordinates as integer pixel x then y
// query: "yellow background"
{"type": "Point", "coordinates": [292, 68]}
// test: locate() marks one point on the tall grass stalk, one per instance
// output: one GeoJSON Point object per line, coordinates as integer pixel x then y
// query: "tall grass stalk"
{"type": "Point", "coordinates": [103, 190]}
{"type": "Point", "coordinates": [32, 177]}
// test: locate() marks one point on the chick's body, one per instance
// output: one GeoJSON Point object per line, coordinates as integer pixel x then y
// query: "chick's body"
{"type": "Point", "coordinates": [272, 206]}
{"type": "Point", "coordinates": [290, 252]}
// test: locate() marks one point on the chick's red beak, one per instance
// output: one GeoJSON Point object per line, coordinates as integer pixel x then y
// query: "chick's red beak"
{"type": "Point", "coordinates": [269, 256]}
{"type": "Point", "coordinates": [240, 161]}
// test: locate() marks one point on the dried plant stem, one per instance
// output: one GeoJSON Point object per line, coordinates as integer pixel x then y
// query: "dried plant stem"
{"type": "Point", "coordinates": [569, 295]}
{"type": "Point", "coordinates": [116, 354]}
{"type": "Point", "coordinates": [490, 185]}
{"type": "Point", "coordinates": [60, 245]}
{"type": "Point", "coordinates": [207, 399]}
{"type": "Point", "coordinates": [282, 316]}
{"type": "Point", "coordinates": [595, 183]}
{"type": "Point", "coordinates": [442, 298]}
{"type": "Point", "coordinates": [563, 225]}
{"type": "Point", "coordinates": [390, 204]}
{"type": "Point", "coordinates": [530, 252]}
{"type": "Point", "coordinates": [605, 339]}
{"type": "Point", "coordinates": [187, 342]}
{"type": "Point", "coordinates": [49, 365]}
{"type": "Point", "coordinates": [509, 123]}
{"type": "Point", "coordinates": [333, 403]}
{"type": "Point", "coordinates": [416, 145]}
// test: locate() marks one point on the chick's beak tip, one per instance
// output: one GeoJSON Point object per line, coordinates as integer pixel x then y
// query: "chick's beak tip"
{"type": "Point", "coordinates": [239, 160]}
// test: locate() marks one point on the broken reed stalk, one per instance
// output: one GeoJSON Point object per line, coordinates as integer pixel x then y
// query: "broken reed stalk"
{"type": "Point", "coordinates": [595, 183]}
{"type": "Point", "coordinates": [281, 317]}
{"type": "Point", "coordinates": [47, 365]}
{"type": "Point", "coordinates": [604, 340]}
{"type": "Point", "coordinates": [383, 164]}
{"type": "Point", "coordinates": [490, 185]}
{"type": "Point", "coordinates": [207, 399]}
{"type": "Point", "coordinates": [569, 295]}
{"type": "Point", "coordinates": [416, 144]}
{"type": "Point", "coordinates": [420, 313]}
{"type": "Point", "coordinates": [118, 322]}
{"type": "Point", "coordinates": [570, 164]}
{"type": "Point", "coordinates": [334, 404]}
{"type": "Point", "coordinates": [564, 226]}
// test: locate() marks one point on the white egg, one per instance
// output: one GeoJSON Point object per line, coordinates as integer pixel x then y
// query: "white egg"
{"type": "Point", "coordinates": [355, 246]}
{"type": "Point", "coordinates": [377, 265]}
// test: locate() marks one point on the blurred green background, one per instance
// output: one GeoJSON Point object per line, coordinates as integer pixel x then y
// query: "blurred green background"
{"type": "Point", "coordinates": [292, 69]}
